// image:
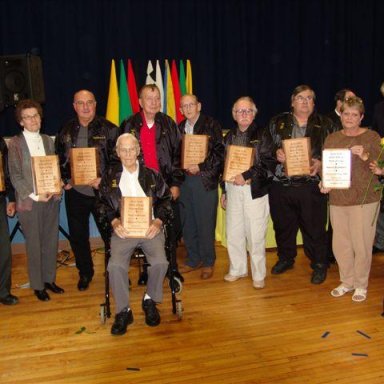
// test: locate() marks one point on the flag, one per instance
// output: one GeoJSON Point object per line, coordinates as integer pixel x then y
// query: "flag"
{"type": "Point", "coordinates": [125, 108]}
{"type": "Point", "coordinates": [176, 92]}
{"type": "Point", "coordinates": [149, 78]}
{"type": "Point", "coordinates": [113, 97]}
{"type": "Point", "coordinates": [188, 79]}
{"type": "Point", "coordinates": [159, 83]}
{"type": "Point", "coordinates": [183, 85]}
{"type": "Point", "coordinates": [132, 89]}
{"type": "Point", "coordinates": [165, 81]}
{"type": "Point", "coordinates": [171, 111]}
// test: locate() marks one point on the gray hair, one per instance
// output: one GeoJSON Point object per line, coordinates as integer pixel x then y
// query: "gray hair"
{"type": "Point", "coordinates": [128, 136]}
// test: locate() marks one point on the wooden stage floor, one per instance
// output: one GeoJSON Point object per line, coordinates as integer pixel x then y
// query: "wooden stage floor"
{"type": "Point", "coordinates": [229, 333]}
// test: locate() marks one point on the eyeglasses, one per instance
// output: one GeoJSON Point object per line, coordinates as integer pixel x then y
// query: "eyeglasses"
{"type": "Point", "coordinates": [88, 103]}
{"type": "Point", "coordinates": [301, 99]}
{"type": "Point", "coordinates": [29, 118]}
{"type": "Point", "coordinates": [187, 106]}
{"type": "Point", "coordinates": [244, 112]}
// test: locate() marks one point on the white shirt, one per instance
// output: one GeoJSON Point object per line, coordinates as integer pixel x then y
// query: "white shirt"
{"type": "Point", "coordinates": [36, 148]}
{"type": "Point", "coordinates": [129, 183]}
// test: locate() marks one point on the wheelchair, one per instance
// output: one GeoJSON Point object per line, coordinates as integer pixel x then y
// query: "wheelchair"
{"type": "Point", "coordinates": [175, 280]}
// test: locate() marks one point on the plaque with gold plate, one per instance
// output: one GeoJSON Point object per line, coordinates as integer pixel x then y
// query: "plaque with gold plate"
{"type": "Point", "coordinates": [297, 156]}
{"type": "Point", "coordinates": [136, 215]}
{"type": "Point", "coordinates": [194, 149]}
{"type": "Point", "coordinates": [46, 174]}
{"type": "Point", "coordinates": [237, 160]}
{"type": "Point", "coordinates": [84, 165]}
{"type": "Point", "coordinates": [2, 177]}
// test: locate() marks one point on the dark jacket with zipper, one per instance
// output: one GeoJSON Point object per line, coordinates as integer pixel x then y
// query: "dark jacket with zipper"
{"type": "Point", "coordinates": [212, 167]}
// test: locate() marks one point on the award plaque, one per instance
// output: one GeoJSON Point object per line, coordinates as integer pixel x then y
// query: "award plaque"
{"type": "Point", "coordinates": [297, 156]}
{"type": "Point", "coordinates": [136, 215]}
{"type": "Point", "coordinates": [194, 149]}
{"type": "Point", "coordinates": [238, 160]}
{"type": "Point", "coordinates": [2, 177]}
{"type": "Point", "coordinates": [336, 165]}
{"type": "Point", "coordinates": [46, 174]}
{"type": "Point", "coordinates": [84, 165]}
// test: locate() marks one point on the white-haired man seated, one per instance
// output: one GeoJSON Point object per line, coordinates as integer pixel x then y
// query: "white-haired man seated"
{"type": "Point", "coordinates": [132, 179]}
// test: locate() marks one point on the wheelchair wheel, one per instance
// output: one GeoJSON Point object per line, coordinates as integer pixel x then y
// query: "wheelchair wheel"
{"type": "Point", "coordinates": [178, 285]}
{"type": "Point", "coordinates": [103, 313]}
{"type": "Point", "coordinates": [179, 309]}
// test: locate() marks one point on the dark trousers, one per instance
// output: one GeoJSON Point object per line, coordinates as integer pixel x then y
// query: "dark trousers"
{"type": "Point", "coordinates": [198, 208]}
{"type": "Point", "coordinates": [79, 208]}
{"type": "Point", "coordinates": [5, 252]}
{"type": "Point", "coordinates": [299, 207]}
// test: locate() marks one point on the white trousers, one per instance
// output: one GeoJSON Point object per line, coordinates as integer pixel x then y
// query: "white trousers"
{"type": "Point", "coordinates": [246, 223]}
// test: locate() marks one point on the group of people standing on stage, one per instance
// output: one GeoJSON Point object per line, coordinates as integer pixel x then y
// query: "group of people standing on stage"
{"type": "Point", "coordinates": [143, 158]}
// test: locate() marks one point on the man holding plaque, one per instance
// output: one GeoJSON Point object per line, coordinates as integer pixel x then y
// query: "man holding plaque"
{"type": "Point", "coordinates": [245, 198]}
{"type": "Point", "coordinates": [126, 180]}
{"type": "Point", "coordinates": [296, 202]}
{"type": "Point", "coordinates": [86, 130]}
{"type": "Point", "coordinates": [38, 213]}
{"type": "Point", "coordinates": [160, 144]}
{"type": "Point", "coordinates": [198, 193]}
{"type": "Point", "coordinates": [6, 209]}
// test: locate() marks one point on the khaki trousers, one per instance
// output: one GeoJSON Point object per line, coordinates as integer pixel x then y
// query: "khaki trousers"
{"type": "Point", "coordinates": [353, 236]}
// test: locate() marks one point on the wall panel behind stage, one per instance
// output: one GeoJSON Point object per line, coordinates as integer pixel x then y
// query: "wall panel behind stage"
{"type": "Point", "coordinates": [262, 48]}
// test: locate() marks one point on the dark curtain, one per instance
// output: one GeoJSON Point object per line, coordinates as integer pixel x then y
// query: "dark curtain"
{"type": "Point", "coordinates": [261, 48]}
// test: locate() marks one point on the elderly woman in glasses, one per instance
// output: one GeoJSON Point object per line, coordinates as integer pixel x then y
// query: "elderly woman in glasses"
{"type": "Point", "coordinates": [352, 210]}
{"type": "Point", "coordinates": [38, 214]}
{"type": "Point", "coordinates": [245, 199]}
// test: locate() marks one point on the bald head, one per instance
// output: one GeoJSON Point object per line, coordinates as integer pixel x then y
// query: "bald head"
{"type": "Point", "coordinates": [84, 104]}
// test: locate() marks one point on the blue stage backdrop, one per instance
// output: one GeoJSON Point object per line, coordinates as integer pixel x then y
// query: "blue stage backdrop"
{"type": "Point", "coordinates": [261, 48]}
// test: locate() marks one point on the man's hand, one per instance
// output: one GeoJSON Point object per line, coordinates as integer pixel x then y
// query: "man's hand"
{"type": "Point", "coordinates": [280, 155]}
{"type": "Point", "coordinates": [154, 229]}
{"type": "Point", "coordinates": [175, 191]}
{"type": "Point", "coordinates": [67, 187]}
{"type": "Point", "coordinates": [46, 197]}
{"type": "Point", "coordinates": [193, 169]}
{"type": "Point", "coordinates": [119, 230]}
{"type": "Point", "coordinates": [223, 201]}
{"type": "Point", "coordinates": [11, 209]}
{"type": "Point", "coordinates": [315, 167]}
{"type": "Point", "coordinates": [95, 183]}
{"type": "Point", "coordinates": [239, 180]}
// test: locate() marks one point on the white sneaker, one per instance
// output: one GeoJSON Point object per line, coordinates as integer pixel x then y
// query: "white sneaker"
{"type": "Point", "coordinates": [232, 278]}
{"type": "Point", "coordinates": [258, 284]}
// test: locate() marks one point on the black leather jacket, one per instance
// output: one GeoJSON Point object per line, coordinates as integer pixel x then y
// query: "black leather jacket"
{"type": "Point", "coordinates": [212, 167]}
{"type": "Point", "coordinates": [258, 173]}
{"type": "Point", "coordinates": [153, 186]}
{"type": "Point", "coordinates": [280, 128]}
{"type": "Point", "coordinates": [168, 145]}
{"type": "Point", "coordinates": [102, 134]}
{"type": "Point", "coordinates": [9, 190]}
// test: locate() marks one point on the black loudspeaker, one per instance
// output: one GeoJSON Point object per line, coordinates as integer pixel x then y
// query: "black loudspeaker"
{"type": "Point", "coordinates": [21, 77]}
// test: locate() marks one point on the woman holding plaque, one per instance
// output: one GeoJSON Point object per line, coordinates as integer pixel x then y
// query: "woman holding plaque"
{"type": "Point", "coordinates": [353, 210]}
{"type": "Point", "coordinates": [38, 213]}
{"type": "Point", "coordinates": [245, 198]}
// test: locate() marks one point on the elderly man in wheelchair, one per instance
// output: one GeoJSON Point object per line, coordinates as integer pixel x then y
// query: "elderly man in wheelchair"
{"type": "Point", "coordinates": [132, 179]}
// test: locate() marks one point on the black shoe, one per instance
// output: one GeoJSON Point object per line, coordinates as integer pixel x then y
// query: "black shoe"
{"type": "Point", "coordinates": [122, 320]}
{"type": "Point", "coordinates": [152, 315]}
{"type": "Point", "coordinates": [83, 283]}
{"type": "Point", "coordinates": [318, 276]}
{"type": "Point", "coordinates": [42, 295]}
{"type": "Point", "coordinates": [281, 267]}
{"type": "Point", "coordinates": [9, 300]}
{"type": "Point", "coordinates": [53, 287]}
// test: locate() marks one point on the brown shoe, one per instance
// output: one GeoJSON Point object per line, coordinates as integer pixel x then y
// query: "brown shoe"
{"type": "Point", "coordinates": [187, 268]}
{"type": "Point", "coordinates": [206, 273]}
